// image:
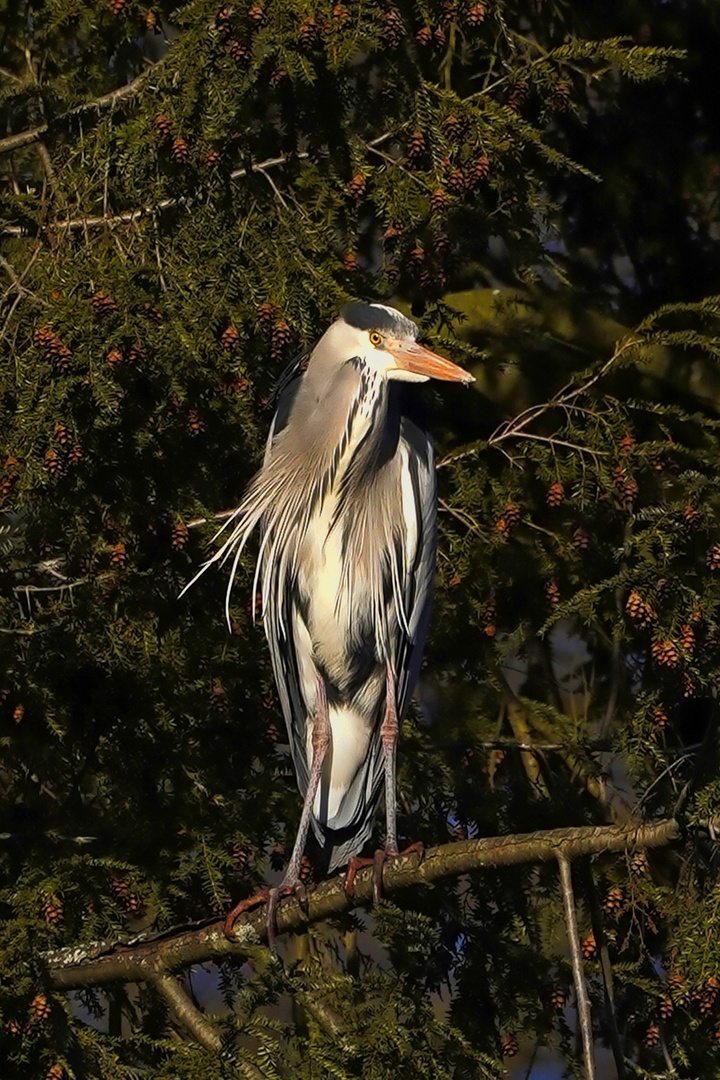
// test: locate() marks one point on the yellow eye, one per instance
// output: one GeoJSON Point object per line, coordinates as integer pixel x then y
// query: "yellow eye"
{"type": "Point", "coordinates": [375, 338]}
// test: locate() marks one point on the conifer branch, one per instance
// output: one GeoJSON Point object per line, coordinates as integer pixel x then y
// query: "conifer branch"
{"type": "Point", "coordinates": [138, 959]}
{"type": "Point", "coordinates": [107, 101]}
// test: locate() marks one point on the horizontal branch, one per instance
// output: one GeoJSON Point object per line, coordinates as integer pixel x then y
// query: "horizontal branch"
{"type": "Point", "coordinates": [107, 101]}
{"type": "Point", "coordinates": [138, 959]}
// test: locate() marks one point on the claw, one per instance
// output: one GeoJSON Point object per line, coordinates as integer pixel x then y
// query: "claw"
{"type": "Point", "coordinates": [354, 865]}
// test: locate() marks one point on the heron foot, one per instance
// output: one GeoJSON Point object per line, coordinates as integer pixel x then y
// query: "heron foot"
{"type": "Point", "coordinates": [378, 863]}
{"type": "Point", "coordinates": [241, 908]}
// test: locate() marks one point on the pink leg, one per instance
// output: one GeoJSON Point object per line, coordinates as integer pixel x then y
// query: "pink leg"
{"type": "Point", "coordinates": [389, 736]}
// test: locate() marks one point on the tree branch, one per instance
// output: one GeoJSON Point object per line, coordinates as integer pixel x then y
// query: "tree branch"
{"type": "Point", "coordinates": [107, 101]}
{"type": "Point", "coordinates": [138, 959]}
{"type": "Point", "coordinates": [581, 993]}
{"type": "Point", "coordinates": [188, 1014]}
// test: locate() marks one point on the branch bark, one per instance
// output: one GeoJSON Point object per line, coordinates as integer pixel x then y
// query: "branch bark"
{"type": "Point", "coordinates": [581, 991]}
{"type": "Point", "coordinates": [138, 959]}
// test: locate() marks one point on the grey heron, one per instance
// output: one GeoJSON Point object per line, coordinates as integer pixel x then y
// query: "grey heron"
{"type": "Point", "coordinates": [346, 505]}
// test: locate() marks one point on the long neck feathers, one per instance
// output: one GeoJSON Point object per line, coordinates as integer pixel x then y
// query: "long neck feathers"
{"type": "Point", "coordinates": [326, 449]}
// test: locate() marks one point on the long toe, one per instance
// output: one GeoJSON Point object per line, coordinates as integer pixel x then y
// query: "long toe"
{"type": "Point", "coordinates": [241, 908]}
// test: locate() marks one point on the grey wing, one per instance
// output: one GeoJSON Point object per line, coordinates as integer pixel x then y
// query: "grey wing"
{"type": "Point", "coordinates": [419, 575]}
{"type": "Point", "coordinates": [280, 617]}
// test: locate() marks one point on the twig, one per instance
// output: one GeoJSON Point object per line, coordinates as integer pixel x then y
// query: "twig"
{"type": "Point", "coordinates": [137, 959]}
{"type": "Point", "coordinates": [130, 217]}
{"type": "Point", "coordinates": [107, 101]}
{"type": "Point", "coordinates": [581, 993]}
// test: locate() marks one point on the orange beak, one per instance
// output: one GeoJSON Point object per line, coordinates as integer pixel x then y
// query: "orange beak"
{"type": "Point", "coordinates": [421, 361]}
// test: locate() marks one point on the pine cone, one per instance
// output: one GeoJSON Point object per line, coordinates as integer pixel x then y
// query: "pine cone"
{"type": "Point", "coordinates": [116, 6]}
{"type": "Point", "coordinates": [213, 158]}
{"type": "Point", "coordinates": [687, 638]}
{"type": "Point", "coordinates": [652, 1035]}
{"type": "Point", "coordinates": [639, 864]}
{"type": "Point", "coordinates": [580, 539]}
{"type": "Point", "coordinates": [691, 518]}
{"type": "Point", "coordinates": [478, 171]}
{"type": "Point", "coordinates": [713, 557]}
{"type": "Point", "coordinates": [151, 20]}
{"type": "Point", "coordinates": [240, 52]}
{"type": "Point", "coordinates": [53, 912]}
{"type": "Point", "coordinates": [195, 423]}
{"type": "Point", "coordinates": [223, 21]}
{"type": "Point", "coordinates": [424, 36]}
{"type": "Point", "coordinates": [456, 182]}
{"type": "Point", "coordinates": [558, 998]}
{"type": "Point", "coordinates": [509, 520]}
{"type": "Point", "coordinates": [103, 305]}
{"type": "Point", "coordinates": [560, 100]}
{"type": "Point", "coordinates": [519, 94]}
{"type": "Point", "coordinates": [448, 12]}
{"type": "Point", "coordinates": [552, 593]}
{"type": "Point", "coordinates": [438, 201]}
{"type": "Point", "coordinates": [281, 336]}
{"type": "Point", "coordinates": [416, 258]}
{"type": "Point", "coordinates": [230, 337]}
{"type": "Point", "coordinates": [439, 39]}
{"type": "Point", "coordinates": [39, 1007]}
{"type": "Point", "coordinates": [266, 315]}
{"type": "Point", "coordinates": [391, 233]}
{"type": "Point", "coordinates": [678, 988]}
{"type": "Point", "coordinates": [163, 125]}
{"type": "Point", "coordinates": [256, 14]}
{"type": "Point", "coordinates": [613, 902]}
{"type": "Point", "coordinates": [589, 947]}
{"type": "Point", "coordinates": [233, 385]}
{"type": "Point", "coordinates": [556, 494]}
{"type": "Point", "coordinates": [665, 653]}
{"type": "Point", "coordinates": [55, 1072]}
{"type": "Point", "coordinates": [660, 716]}
{"type": "Point", "coordinates": [47, 341]}
{"type": "Point", "coordinates": [52, 463]}
{"type": "Point", "coordinates": [666, 1008]}
{"type": "Point", "coordinates": [476, 15]}
{"type": "Point", "coordinates": [339, 13]}
{"type": "Point", "coordinates": [272, 734]}
{"type": "Point", "coordinates": [351, 262]}
{"type": "Point", "coordinates": [708, 995]}
{"type": "Point", "coordinates": [75, 454]}
{"type": "Point", "coordinates": [356, 187]}
{"type": "Point", "coordinates": [129, 899]}
{"type": "Point", "coordinates": [415, 149]}
{"type": "Point", "coordinates": [629, 493]}
{"type": "Point", "coordinates": [18, 713]}
{"type": "Point", "coordinates": [394, 28]}
{"type": "Point", "coordinates": [180, 151]}
{"type": "Point", "coordinates": [626, 444]}
{"type": "Point", "coordinates": [179, 535]}
{"type": "Point", "coordinates": [641, 612]}
{"type": "Point", "coordinates": [308, 34]}
{"type": "Point", "coordinates": [118, 556]}
{"type": "Point", "coordinates": [62, 435]}
{"type": "Point", "coordinates": [454, 128]}
{"type": "Point", "coordinates": [240, 855]}
{"type": "Point", "coordinates": [509, 1046]}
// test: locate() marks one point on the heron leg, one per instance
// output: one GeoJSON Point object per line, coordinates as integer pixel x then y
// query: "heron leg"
{"type": "Point", "coordinates": [321, 734]}
{"type": "Point", "coordinates": [389, 736]}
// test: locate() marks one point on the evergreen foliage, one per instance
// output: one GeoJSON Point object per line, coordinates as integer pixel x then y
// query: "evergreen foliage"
{"type": "Point", "coordinates": [165, 251]}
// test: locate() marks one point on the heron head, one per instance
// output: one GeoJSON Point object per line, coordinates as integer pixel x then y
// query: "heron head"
{"type": "Point", "coordinates": [387, 342]}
